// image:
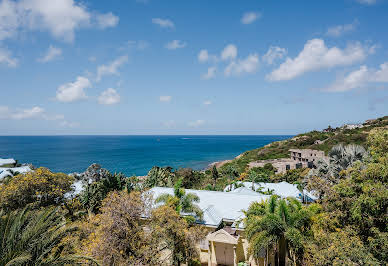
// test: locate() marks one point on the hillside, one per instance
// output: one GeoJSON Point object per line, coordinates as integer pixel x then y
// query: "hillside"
{"type": "Point", "coordinates": [318, 140]}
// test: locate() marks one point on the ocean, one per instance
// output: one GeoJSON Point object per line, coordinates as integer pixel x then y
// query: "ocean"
{"type": "Point", "coordinates": [132, 155]}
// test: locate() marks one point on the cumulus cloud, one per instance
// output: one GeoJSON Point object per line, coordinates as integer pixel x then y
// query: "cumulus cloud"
{"type": "Point", "coordinates": [165, 98]}
{"type": "Point", "coordinates": [107, 20]}
{"type": "Point", "coordinates": [163, 23]}
{"type": "Point", "coordinates": [360, 78]}
{"type": "Point", "coordinates": [203, 56]}
{"type": "Point", "coordinates": [274, 53]}
{"type": "Point", "coordinates": [316, 55]}
{"type": "Point", "coordinates": [51, 54]}
{"type": "Point", "coordinates": [59, 17]}
{"type": "Point", "coordinates": [337, 31]}
{"type": "Point", "coordinates": [196, 123]}
{"type": "Point", "coordinates": [112, 68]}
{"type": "Point", "coordinates": [7, 59]}
{"type": "Point", "coordinates": [211, 73]}
{"type": "Point", "coordinates": [73, 91]}
{"type": "Point", "coordinates": [250, 17]}
{"type": "Point", "coordinates": [207, 102]}
{"type": "Point", "coordinates": [229, 52]}
{"type": "Point", "coordinates": [175, 44]}
{"type": "Point", "coordinates": [241, 66]}
{"type": "Point", "coordinates": [109, 97]}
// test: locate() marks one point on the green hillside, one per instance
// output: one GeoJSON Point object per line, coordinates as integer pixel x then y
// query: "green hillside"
{"type": "Point", "coordinates": [280, 149]}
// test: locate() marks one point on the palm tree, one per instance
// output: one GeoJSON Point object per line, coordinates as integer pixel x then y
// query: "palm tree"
{"type": "Point", "coordinates": [328, 170]}
{"type": "Point", "coordinates": [279, 225]}
{"type": "Point", "coordinates": [183, 203]}
{"type": "Point", "coordinates": [159, 177]}
{"type": "Point", "coordinates": [30, 237]}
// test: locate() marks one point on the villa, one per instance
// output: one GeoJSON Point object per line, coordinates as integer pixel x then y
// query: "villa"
{"type": "Point", "coordinates": [223, 216]}
{"type": "Point", "coordinates": [299, 158]}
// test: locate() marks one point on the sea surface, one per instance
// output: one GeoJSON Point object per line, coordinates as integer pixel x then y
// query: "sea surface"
{"type": "Point", "coordinates": [132, 155]}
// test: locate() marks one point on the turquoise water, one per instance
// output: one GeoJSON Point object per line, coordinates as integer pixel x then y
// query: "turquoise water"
{"type": "Point", "coordinates": [128, 154]}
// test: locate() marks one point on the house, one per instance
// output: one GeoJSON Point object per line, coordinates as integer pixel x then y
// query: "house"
{"type": "Point", "coordinates": [225, 243]}
{"type": "Point", "coordinates": [352, 126]}
{"type": "Point", "coordinates": [299, 158]}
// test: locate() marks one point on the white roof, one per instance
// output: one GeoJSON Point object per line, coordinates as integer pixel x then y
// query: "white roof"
{"type": "Point", "coordinates": [217, 205]}
{"type": "Point", "coordinates": [282, 189]}
{"type": "Point", "coordinates": [5, 174]}
{"type": "Point", "coordinates": [6, 171]}
{"type": "Point", "coordinates": [7, 161]}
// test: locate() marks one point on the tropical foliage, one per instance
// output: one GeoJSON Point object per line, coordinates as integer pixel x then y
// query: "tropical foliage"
{"type": "Point", "coordinates": [41, 187]}
{"type": "Point", "coordinates": [279, 225]}
{"type": "Point", "coordinates": [182, 202]}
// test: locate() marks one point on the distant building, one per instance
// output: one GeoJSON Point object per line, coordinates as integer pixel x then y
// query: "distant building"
{"type": "Point", "coordinates": [306, 155]}
{"type": "Point", "coordinates": [352, 126]}
{"type": "Point", "coordinates": [299, 158]}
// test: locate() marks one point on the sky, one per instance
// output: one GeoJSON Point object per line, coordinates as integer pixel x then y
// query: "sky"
{"type": "Point", "coordinates": [190, 67]}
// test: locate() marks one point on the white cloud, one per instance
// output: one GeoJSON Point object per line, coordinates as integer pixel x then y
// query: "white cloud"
{"type": "Point", "coordinates": [316, 55]}
{"type": "Point", "coordinates": [339, 30]}
{"type": "Point", "coordinates": [381, 75]}
{"type": "Point", "coordinates": [367, 2]}
{"type": "Point", "coordinates": [92, 59]}
{"type": "Point", "coordinates": [360, 78]}
{"type": "Point", "coordinates": [207, 102]}
{"type": "Point", "coordinates": [165, 98]}
{"type": "Point", "coordinates": [35, 112]}
{"type": "Point", "coordinates": [164, 23]}
{"type": "Point", "coordinates": [250, 17]}
{"type": "Point", "coordinates": [211, 73]}
{"type": "Point", "coordinates": [112, 68]}
{"type": "Point", "coordinates": [229, 52]}
{"type": "Point", "coordinates": [51, 54]}
{"type": "Point", "coordinates": [175, 44]}
{"type": "Point", "coordinates": [107, 20]}
{"type": "Point", "coordinates": [73, 91]}
{"type": "Point", "coordinates": [274, 53]}
{"type": "Point", "coordinates": [109, 97]}
{"type": "Point", "coordinates": [196, 123]}
{"type": "Point", "coordinates": [7, 59]}
{"type": "Point", "coordinates": [353, 80]}
{"type": "Point", "coordinates": [203, 56]}
{"type": "Point", "coordinates": [59, 17]}
{"type": "Point", "coordinates": [247, 65]}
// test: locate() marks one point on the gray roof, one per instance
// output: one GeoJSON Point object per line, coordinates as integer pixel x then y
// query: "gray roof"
{"type": "Point", "coordinates": [218, 206]}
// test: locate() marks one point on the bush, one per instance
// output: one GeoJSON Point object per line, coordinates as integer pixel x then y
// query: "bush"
{"type": "Point", "coordinates": [41, 187]}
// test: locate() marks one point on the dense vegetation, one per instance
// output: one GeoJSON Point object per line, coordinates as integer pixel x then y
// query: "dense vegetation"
{"type": "Point", "coordinates": [112, 222]}
{"type": "Point", "coordinates": [349, 226]}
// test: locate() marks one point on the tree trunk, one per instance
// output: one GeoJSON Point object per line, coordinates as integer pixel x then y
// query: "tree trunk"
{"type": "Point", "coordinates": [282, 251]}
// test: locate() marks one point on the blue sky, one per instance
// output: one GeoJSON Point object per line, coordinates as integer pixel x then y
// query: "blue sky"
{"type": "Point", "coordinates": [190, 67]}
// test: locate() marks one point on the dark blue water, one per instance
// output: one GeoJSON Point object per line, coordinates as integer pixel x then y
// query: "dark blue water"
{"type": "Point", "coordinates": [128, 154]}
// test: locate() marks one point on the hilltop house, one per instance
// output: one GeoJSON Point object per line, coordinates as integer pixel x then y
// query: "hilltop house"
{"type": "Point", "coordinates": [299, 158]}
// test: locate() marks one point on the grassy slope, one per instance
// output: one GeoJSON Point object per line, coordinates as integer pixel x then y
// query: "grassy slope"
{"type": "Point", "coordinates": [306, 141]}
